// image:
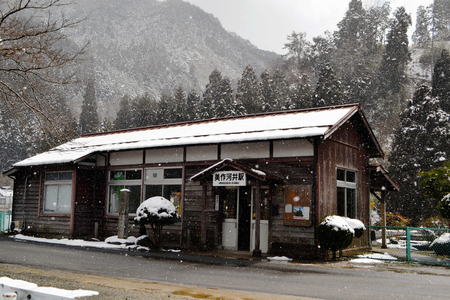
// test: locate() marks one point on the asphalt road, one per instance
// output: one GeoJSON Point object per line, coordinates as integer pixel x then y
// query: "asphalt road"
{"type": "Point", "coordinates": [279, 279]}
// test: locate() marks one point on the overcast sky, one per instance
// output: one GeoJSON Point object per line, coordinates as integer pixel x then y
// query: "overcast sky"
{"type": "Point", "coordinates": [267, 23]}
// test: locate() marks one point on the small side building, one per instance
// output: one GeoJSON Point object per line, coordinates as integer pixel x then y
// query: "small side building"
{"type": "Point", "coordinates": [253, 183]}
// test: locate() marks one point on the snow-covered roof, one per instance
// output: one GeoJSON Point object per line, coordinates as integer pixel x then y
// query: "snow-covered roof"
{"type": "Point", "coordinates": [270, 126]}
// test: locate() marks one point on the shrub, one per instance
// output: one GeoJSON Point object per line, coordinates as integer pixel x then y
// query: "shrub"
{"type": "Point", "coordinates": [334, 234]}
{"type": "Point", "coordinates": [444, 206]}
{"type": "Point", "coordinates": [156, 212]}
{"type": "Point", "coordinates": [441, 245]}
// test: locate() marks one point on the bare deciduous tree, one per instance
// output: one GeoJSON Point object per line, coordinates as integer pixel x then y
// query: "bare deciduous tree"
{"type": "Point", "coordinates": [33, 60]}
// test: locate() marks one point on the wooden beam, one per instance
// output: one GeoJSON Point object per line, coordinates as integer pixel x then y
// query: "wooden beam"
{"type": "Point", "coordinates": [203, 219]}
{"type": "Point", "coordinates": [257, 250]}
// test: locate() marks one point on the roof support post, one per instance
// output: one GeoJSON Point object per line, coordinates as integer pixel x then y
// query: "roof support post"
{"type": "Point", "coordinates": [257, 250]}
{"type": "Point", "coordinates": [203, 218]}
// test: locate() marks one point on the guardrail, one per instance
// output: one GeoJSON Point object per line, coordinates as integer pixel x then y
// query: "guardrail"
{"type": "Point", "coordinates": [412, 244]}
{"type": "Point", "coordinates": [27, 290]}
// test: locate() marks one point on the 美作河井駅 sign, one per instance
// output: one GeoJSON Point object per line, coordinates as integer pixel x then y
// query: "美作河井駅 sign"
{"type": "Point", "coordinates": [229, 178]}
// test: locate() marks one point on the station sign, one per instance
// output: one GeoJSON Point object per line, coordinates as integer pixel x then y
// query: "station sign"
{"type": "Point", "coordinates": [229, 178]}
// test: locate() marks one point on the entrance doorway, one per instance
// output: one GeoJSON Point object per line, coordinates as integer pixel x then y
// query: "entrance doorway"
{"type": "Point", "coordinates": [238, 215]}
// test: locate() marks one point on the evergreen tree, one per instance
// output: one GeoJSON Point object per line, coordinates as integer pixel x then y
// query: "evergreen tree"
{"type": "Point", "coordinates": [420, 144]}
{"type": "Point", "coordinates": [267, 90]}
{"type": "Point", "coordinates": [193, 102]}
{"type": "Point", "coordinates": [249, 91]}
{"type": "Point", "coordinates": [281, 100]}
{"type": "Point", "coordinates": [397, 55]}
{"type": "Point", "coordinates": [180, 105]}
{"type": "Point", "coordinates": [421, 36]}
{"type": "Point", "coordinates": [165, 113]}
{"type": "Point", "coordinates": [224, 102]}
{"type": "Point", "coordinates": [350, 35]}
{"type": "Point", "coordinates": [211, 95]}
{"type": "Point", "coordinates": [441, 19]}
{"type": "Point", "coordinates": [329, 90]}
{"type": "Point", "coordinates": [89, 121]}
{"type": "Point", "coordinates": [124, 115]}
{"type": "Point", "coordinates": [143, 111]}
{"type": "Point", "coordinates": [301, 93]}
{"type": "Point", "coordinates": [441, 80]}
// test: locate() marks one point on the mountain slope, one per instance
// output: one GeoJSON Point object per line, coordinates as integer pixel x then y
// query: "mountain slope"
{"type": "Point", "coordinates": [147, 46]}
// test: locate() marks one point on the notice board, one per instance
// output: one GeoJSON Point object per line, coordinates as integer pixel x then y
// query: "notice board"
{"type": "Point", "coordinates": [297, 207]}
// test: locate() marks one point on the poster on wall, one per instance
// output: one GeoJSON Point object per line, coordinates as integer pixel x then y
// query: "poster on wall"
{"type": "Point", "coordinates": [229, 178]}
{"type": "Point", "coordinates": [301, 213]}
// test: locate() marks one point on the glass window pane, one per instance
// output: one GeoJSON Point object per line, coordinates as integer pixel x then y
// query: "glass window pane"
{"type": "Point", "coordinates": [135, 198]}
{"type": "Point", "coordinates": [114, 196]}
{"type": "Point", "coordinates": [152, 191]}
{"type": "Point", "coordinates": [173, 193]}
{"type": "Point", "coordinates": [351, 176]}
{"type": "Point", "coordinates": [64, 198]}
{"type": "Point", "coordinates": [117, 175]}
{"type": "Point", "coordinates": [341, 201]}
{"type": "Point", "coordinates": [229, 203]}
{"type": "Point", "coordinates": [351, 203]}
{"type": "Point", "coordinates": [264, 204]}
{"type": "Point", "coordinates": [51, 176]}
{"type": "Point", "coordinates": [51, 198]}
{"type": "Point", "coordinates": [172, 173]}
{"type": "Point", "coordinates": [340, 174]}
{"type": "Point", "coordinates": [133, 174]}
{"type": "Point", "coordinates": [65, 176]}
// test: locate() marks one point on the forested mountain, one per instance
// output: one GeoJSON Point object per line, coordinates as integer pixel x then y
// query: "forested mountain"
{"type": "Point", "coordinates": [149, 47]}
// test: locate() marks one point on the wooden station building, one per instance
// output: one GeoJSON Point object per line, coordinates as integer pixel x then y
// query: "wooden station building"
{"type": "Point", "coordinates": [253, 183]}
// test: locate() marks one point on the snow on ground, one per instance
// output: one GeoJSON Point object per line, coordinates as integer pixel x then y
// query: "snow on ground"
{"type": "Point", "coordinates": [111, 243]}
{"type": "Point", "coordinates": [279, 258]}
{"type": "Point", "coordinates": [373, 258]}
{"type": "Point", "coordinates": [8, 284]}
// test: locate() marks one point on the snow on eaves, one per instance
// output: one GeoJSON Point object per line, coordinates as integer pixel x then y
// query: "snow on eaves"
{"type": "Point", "coordinates": [286, 125]}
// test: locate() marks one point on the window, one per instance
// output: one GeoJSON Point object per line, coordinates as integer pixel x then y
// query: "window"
{"type": "Point", "coordinates": [124, 179]}
{"type": "Point", "coordinates": [58, 192]}
{"type": "Point", "coordinates": [346, 193]}
{"type": "Point", "coordinates": [164, 182]}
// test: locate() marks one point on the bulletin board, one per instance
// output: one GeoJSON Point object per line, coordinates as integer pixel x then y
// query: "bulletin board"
{"type": "Point", "coordinates": [297, 208]}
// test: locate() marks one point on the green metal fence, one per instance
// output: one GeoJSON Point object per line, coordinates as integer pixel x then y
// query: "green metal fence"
{"type": "Point", "coordinates": [5, 220]}
{"type": "Point", "coordinates": [412, 244]}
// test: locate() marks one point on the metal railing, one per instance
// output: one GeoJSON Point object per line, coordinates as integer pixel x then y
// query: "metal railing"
{"type": "Point", "coordinates": [412, 244]}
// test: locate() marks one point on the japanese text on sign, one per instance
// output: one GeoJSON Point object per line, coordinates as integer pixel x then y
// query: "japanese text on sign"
{"type": "Point", "coordinates": [231, 178]}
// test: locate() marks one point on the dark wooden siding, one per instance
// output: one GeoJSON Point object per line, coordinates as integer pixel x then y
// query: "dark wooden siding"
{"type": "Point", "coordinates": [28, 208]}
{"type": "Point", "coordinates": [296, 241]}
{"type": "Point", "coordinates": [343, 149]}
{"type": "Point", "coordinates": [89, 202]}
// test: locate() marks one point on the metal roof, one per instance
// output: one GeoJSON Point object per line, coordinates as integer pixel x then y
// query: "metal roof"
{"type": "Point", "coordinates": [318, 122]}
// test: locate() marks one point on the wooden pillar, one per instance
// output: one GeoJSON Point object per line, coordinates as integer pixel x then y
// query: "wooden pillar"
{"type": "Point", "coordinates": [203, 219]}
{"type": "Point", "coordinates": [383, 220]}
{"type": "Point", "coordinates": [124, 200]}
{"type": "Point", "coordinates": [257, 250]}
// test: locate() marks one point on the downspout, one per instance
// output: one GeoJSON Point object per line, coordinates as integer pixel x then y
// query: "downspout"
{"type": "Point", "coordinates": [23, 201]}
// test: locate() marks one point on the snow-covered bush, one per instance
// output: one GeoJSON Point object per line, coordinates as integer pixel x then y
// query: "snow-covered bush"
{"type": "Point", "coordinates": [356, 225]}
{"type": "Point", "coordinates": [156, 212]}
{"type": "Point", "coordinates": [441, 245]}
{"type": "Point", "coordinates": [336, 233]}
{"type": "Point", "coordinates": [444, 206]}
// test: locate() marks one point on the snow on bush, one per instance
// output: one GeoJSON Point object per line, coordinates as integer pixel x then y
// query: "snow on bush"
{"type": "Point", "coordinates": [156, 212]}
{"type": "Point", "coordinates": [337, 232]}
{"type": "Point", "coordinates": [441, 245]}
{"type": "Point", "coordinates": [444, 206]}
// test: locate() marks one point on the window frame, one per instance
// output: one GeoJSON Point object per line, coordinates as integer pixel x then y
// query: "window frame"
{"type": "Point", "coordinates": [112, 208]}
{"type": "Point", "coordinates": [58, 182]}
{"type": "Point", "coordinates": [164, 183]}
{"type": "Point", "coordinates": [347, 185]}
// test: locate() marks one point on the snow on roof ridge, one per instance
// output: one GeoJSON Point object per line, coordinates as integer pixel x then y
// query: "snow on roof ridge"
{"type": "Point", "coordinates": [214, 120]}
